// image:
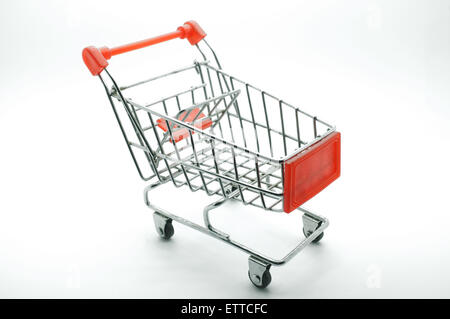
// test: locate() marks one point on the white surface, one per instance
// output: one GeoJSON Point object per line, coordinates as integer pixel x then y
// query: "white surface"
{"type": "Point", "coordinates": [72, 218]}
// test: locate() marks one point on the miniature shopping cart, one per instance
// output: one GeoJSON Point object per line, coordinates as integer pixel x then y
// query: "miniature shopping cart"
{"type": "Point", "coordinates": [210, 131]}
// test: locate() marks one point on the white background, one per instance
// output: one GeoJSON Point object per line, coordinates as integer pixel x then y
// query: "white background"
{"type": "Point", "coordinates": [72, 218]}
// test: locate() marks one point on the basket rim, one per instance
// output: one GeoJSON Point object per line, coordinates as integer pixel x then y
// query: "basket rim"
{"type": "Point", "coordinates": [273, 159]}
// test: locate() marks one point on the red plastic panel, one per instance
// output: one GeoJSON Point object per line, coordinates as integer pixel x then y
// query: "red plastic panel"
{"type": "Point", "coordinates": [181, 133]}
{"type": "Point", "coordinates": [308, 173]}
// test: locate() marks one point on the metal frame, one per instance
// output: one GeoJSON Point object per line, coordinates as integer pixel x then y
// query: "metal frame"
{"type": "Point", "coordinates": [315, 225]}
{"type": "Point", "coordinates": [250, 169]}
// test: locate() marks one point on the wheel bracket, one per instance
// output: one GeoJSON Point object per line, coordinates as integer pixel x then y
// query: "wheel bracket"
{"type": "Point", "coordinates": [256, 269]}
{"type": "Point", "coordinates": [310, 223]}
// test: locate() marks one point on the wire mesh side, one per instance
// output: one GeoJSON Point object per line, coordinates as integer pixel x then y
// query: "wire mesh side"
{"type": "Point", "coordinates": [240, 155]}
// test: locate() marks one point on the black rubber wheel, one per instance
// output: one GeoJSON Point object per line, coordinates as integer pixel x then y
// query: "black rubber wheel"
{"type": "Point", "coordinates": [317, 239]}
{"type": "Point", "coordinates": [266, 279]}
{"type": "Point", "coordinates": [168, 230]}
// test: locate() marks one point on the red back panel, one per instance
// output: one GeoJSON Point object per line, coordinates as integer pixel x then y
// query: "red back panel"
{"type": "Point", "coordinates": [308, 173]}
{"type": "Point", "coordinates": [181, 133]}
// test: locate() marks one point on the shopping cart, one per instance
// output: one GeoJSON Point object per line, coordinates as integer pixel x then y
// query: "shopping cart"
{"type": "Point", "coordinates": [223, 136]}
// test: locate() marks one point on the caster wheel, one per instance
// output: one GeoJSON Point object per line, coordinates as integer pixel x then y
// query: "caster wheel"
{"type": "Point", "coordinates": [167, 232]}
{"type": "Point", "coordinates": [317, 239]}
{"type": "Point", "coordinates": [260, 282]}
{"type": "Point", "coordinates": [163, 226]}
{"type": "Point", "coordinates": [258, 272]}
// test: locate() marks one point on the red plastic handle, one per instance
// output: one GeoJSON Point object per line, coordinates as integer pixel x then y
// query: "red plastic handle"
{"type": "Point", "coordinates": [96, 58]}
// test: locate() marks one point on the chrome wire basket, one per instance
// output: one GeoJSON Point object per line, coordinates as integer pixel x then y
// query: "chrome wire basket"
{"type": "Point", "coordinates": [216, 133]}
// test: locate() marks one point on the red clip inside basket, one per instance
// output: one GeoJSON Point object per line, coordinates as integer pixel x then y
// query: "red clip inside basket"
{"type": "Point", "coordinates": [308, 173]}
{"type": "Point", "coordinates": [180, 133]}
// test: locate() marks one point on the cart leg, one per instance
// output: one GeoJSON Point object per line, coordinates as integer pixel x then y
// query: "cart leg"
{"type": "Point", "coordinates": [207, 221]}
{"type": "Point", "coordinates": [163, 225]}
{"type": "Point", "coordinates": [258, 272]}
{"type": "Point", "coordinates": [310, 224]}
